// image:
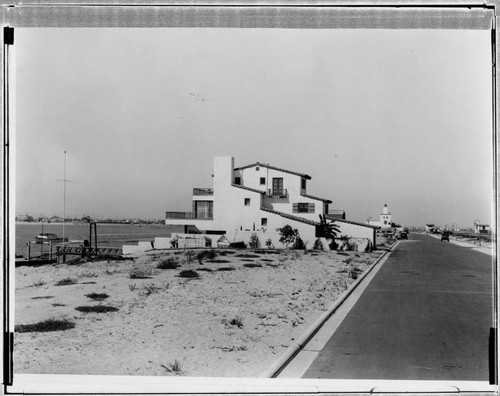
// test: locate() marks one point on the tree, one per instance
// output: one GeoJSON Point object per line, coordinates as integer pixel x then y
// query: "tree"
{"type": "Point", "coordinates": [329, 230]}
{"type": "Point", "coordinates": [254, 241]}
{"type": "Point", "coordinates": [287, 235]}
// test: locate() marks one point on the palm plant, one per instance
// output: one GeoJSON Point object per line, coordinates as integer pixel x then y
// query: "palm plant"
{"type": "Point", "coordinates": [329, 230]}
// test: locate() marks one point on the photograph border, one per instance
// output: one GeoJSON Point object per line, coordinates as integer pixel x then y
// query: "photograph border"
{"type": "Point", "coordinates": [226, 14]}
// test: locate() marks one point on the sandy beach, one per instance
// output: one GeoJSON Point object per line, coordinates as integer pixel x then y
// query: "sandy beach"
{"type": "Point", "coordinates": [235, 319]}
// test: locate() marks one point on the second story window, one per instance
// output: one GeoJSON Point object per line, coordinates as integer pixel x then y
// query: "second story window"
{"type": "Point", "coordinates": [303, 184]}
{"type": "Point", "coordinates": [247, 201]}
{"type": "Point", "coordinates": [262, 181]}
{"type": "Point", "coordinates": [237, 181]}
{"type": "Point", "coordinates": [303, 207]}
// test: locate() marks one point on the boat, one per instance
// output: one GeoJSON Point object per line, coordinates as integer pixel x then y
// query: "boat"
{"type": "Point", "coordinates": [49, 237]}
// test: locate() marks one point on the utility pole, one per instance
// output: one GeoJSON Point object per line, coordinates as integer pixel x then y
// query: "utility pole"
{"type": "Point", "coordinates": [64, 180]}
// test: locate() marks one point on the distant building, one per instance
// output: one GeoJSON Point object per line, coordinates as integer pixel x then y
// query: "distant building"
{"type": "Point", "coordinates": [385, 219]}
{"type": "Point", "coordinates": [260, 198]}
{"type": "Point", "coordinates": [336, 214]}
{"type": "Point", "coordinates": [481, 228]}
{"type": "Point", "coordinates": [430, 228]}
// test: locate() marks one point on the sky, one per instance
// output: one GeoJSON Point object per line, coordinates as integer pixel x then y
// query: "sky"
{"type": "Point", "coordinates": [401, 117]}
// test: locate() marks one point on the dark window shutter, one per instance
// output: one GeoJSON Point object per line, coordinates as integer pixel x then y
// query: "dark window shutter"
{"type": "Point", "coordinates": [295, 208]}
{"type": "Point", "coordinates": [311, 208]}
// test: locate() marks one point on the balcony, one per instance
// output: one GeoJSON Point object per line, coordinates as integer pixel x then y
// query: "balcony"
{"type": "Point", "coordinates": [187, 216]}
{"type": "Point", "coordinates": [203, 191]}
{"type": "Point", "coordinates": [278, 193]}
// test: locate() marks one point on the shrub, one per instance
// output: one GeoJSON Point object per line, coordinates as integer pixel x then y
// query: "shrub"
{"type": "Point", "coordinates": [97, 296]}
{"type": "Point", "coordinates": [189, 274]}
{"type": "Point", "coordinates": [254, 241]}
{"type": "Point", "coordinates": [252, 265]}
{"type": "Point", "coordinates": [299, 244]}
{"type": "Point", "coordinates": [236, 321]}
{"type": "Point", "coordinates": [38, 283]}
{"type": "Point", "coordinates": [96, 308]}
{"type": "Point", "coordinates": [175, 367]}
{"type": "Point", "coordinates": [139, 273]}
{"type": "Point", "coordinates": [238, 245]}
{"type": "Point", "coordinates": [189, 255]}
{"type": "Point", "coordinates": [169, 262]}
{"type": "Point", "coordinates": [41, 297]}
{"type": "Point", "coordinates": [287, 235]}
{"type": "Point", "coordinates": [353, 273]}
{"type": "Point", "coordinates": [132, 287]}
{"type": "Point", "coordinates": [45, 326]}
{"type": "Point", "coordinates": [226, 269]}
{"type": "Point", "coordinates": [204, 269]}
{"type": "Point", "coordinates": [206, 254]}
{"type": "Point", "coordinates": [269, 243]}
{"type": "Point", "coordinates": [317, 244]}
{"type": "Point", "coordinates": [248, 255]}
{"type": "Point", "coordinates": [65, 282]}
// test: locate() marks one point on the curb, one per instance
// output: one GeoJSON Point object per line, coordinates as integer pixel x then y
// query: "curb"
{"type": "Point", "coordinates": [298, 345]}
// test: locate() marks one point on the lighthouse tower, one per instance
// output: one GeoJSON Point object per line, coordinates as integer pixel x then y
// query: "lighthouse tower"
{"type": "Point", "coordinates": [385, 217]}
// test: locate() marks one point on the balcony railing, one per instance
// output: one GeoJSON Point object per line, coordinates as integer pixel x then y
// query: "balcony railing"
{"type": "Point", "coordinates": [278, 193]}
{"type": "Point", "coordinates": [187, 216]}
{"type": "Point", "coordinates": [203, 191]}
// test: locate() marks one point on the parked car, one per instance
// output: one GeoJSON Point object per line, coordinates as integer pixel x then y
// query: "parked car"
{"type": "Point", "coordinates": [402, 235]}
{"type": "Point", "coordinates": [445, 236]}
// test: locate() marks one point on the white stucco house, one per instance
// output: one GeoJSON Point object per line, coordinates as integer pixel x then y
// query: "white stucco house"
{"type": "Point", "coordinates": [259, 198]}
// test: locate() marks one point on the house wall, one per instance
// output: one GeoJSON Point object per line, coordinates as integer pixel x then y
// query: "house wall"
{"type": "Point", "coordinates": [356, 231]}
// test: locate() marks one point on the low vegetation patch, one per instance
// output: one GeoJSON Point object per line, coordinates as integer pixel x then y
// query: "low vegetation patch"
{"type": "Point", "coordinates": [236, 321]}
{"type": "Point", "coordinates": [173, 367]}
{"type": "Point", "coordinates": [220, 261]}
{"type": "Point", "coordinates": [248, 255]}
{"type": "Point", "coordinates": [96, 308]}
{"type": "Point", "coordinates": [58, 305]}
{"type": "Point", "coordinates": [41, 297]}
{"type": "Point", "coordinates": [66, 281]}
{"type": "Point", "coordinates": [252, 265]}
{"type": "Point", "coordinates": [168, 263]}
{"type": "Point", "coordinates": [226, 269]}
{"type": "Point", "coordinates": [45, 326]}
{"type": "Point", "coordinates": [189, 274]}
{"type": "Point", "coordinates": [38, 283]}
{"type": "Point", "coordinates": [226, 252]}
{"type": "Point", "coordinates": [139, 273]}
{"type": "Point", "coordinates": [97, 296]}
{"type": "Point", "coordinates": [204, 269]}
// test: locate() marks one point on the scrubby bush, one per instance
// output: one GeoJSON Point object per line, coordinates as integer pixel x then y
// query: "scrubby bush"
{"type": "Point", "coordinates": [269, 243]}
{"type": "Point", "coordinates": [139, 273]}
{"type": "Point", "coordinates": [169, 262]}
{"type": "Point", "coordinates": [236, 321]}
{"type": "Point", "coordinates": [189, 255]}
{"type": "Point", "coordinates": [65, 282]}
{"type": "Point", "coordinates": [97, 296]}
{"type": "Point", "coordinates": [238, 245]}
{"type": "Point", "coordinates": [254, 241]}
{"type": "Point", "coordinates": [45, 326]}
{"type": "Point", "coordinates": [317, 244]}
{"type": "Point", "coordinates": [96, 309]}
{"type": "Point", "coordinates": [299, 244]}
{"type": "Point", "coordinates": [189, 274]}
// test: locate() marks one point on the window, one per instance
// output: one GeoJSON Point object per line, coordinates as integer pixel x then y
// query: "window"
{"type": "Point", "coordinates": [303, 184]}
{"type": "Point", "coordinates": [237, 180]}
{"type": "Point", "coordinates": [263, 222]}
{"type": "Point", "coordinates": [262, 181]}
{"type": "Point", "coordinates": [257, 168]}
{"type": "Point", "coordinates": [303, 207]}
{"type": "Point", "coordinates": [247, 201]}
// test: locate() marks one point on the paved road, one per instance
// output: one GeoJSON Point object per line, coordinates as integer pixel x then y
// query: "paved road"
{"type": "Point", "coordinates": [426, 315]}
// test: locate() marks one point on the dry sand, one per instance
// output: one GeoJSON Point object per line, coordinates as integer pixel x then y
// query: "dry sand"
{"type": "Point", "coordinates": [179, 320]}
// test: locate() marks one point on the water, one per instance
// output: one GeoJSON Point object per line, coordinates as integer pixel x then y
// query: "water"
{"type": "Point", "coordinates": [108, 235]}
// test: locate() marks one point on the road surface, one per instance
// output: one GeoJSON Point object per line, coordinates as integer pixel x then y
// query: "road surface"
{"type": "Point", "coordinates": [426, 315]}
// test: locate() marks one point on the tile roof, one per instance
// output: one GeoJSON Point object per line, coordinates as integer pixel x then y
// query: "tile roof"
{"type": "Point", "coordinates": [248, 188]}
{"type": "Point", "coordinates": [351, 222]}
{"type": "Point", "coordinates": [292, 217]}
{"type": "Point", "coordinates": [274, 168]}
{"type": "Point", "coordinates": [317, 198]}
